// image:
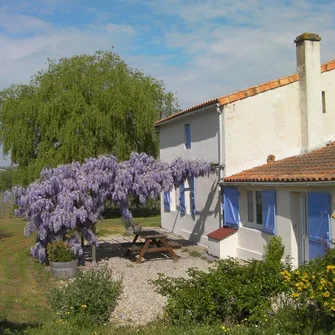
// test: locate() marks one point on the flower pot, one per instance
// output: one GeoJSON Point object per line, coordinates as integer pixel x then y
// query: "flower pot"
{"type": "Point", "coordinates": [64, 270]}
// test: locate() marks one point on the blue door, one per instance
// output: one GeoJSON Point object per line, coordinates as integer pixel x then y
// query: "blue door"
{"type": "Point", "coordinates": [318, 223]}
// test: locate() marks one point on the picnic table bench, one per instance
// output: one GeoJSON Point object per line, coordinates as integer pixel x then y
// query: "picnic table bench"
{"type": "Point", "coordinates": [154, 242]}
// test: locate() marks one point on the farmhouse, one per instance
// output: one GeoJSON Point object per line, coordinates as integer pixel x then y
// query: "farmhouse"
{"type": "Point", "coordinates": [273, 144]}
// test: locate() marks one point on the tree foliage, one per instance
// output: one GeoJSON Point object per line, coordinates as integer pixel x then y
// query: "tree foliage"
{"type": "Point", "coordinates": [70, 199]}
{"type": "Point", "coordinates": [81, 107]}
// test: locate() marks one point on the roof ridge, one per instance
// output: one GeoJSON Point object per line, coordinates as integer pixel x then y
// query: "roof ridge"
{"type": "Point", "coordinates": [248, 92]}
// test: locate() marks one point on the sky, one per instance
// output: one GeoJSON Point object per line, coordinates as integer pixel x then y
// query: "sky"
{"type": "Point", "coordinates": [201, 49]}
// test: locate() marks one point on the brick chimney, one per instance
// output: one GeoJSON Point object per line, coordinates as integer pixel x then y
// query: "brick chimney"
{"type": "Point", "coordinates": [271, 159]}
{"type": "Point", "coordinates": [309, 70]}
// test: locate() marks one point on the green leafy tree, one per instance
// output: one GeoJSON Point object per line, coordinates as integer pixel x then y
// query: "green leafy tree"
{"type": "Point", "coordinates": [81, 107]}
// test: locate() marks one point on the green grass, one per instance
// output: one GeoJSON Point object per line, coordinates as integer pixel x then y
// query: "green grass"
{"type": "Point", "coordinates": [23, 281]}
{"type": "Point", "coordinates": [116, 226]}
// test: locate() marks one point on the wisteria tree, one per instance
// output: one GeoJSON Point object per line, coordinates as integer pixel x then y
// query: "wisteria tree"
{"type": "Point", "coordinates": [69, 200]}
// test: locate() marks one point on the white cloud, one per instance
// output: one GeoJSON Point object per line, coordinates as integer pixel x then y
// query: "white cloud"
{"type": "Point", "coordinates": [120, 28]}
{"type": "Point", "coordinates": [14, 24]}
{"type": "Point", "coordinates": [226, 45]}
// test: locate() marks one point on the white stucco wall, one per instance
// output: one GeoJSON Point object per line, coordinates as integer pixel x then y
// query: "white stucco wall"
{"type": "Point", "coordinates": [270, 123]}
{"type": "Point", "coordinates": [328, 85]}
{"type": "Point", "coordinates": [204, 145]}
{"type": "Point", "coordinates": [204, 137]}
{"type": "Point", "coordinates": [251, 241]}
{"type": "Point", "coordinates": [267, 123]}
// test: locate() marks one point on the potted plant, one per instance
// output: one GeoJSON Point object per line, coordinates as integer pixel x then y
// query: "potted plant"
{"type": "Point", "coordinates": [63, 262]}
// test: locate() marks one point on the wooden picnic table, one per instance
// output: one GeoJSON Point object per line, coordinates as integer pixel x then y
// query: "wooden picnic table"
{"type": "Point", "coordinates": [154, 242]}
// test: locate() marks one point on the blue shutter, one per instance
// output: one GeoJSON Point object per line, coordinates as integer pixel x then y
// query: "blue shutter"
{"type": "Point", "coordinates": [318, 223]}
{"type": "Point", "coordinates": [187, 136]}
{"type": "Point", "coordinates": [269, 211]}
{"type": "Point", "coordinates": [182, 207]}
{"type": "Point", "coordinates": [192, 202]}
{"type": "Point", "coordinates": [166, 201]}
{"type": "Point", "coordinates": [231, 206]}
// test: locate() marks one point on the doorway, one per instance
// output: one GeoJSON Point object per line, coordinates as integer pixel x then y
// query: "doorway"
{"type": "Point", "coordinates": [310, 215]}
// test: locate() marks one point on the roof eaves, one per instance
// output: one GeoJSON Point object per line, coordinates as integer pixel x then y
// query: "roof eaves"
{"type": "Point", "coordinates": [186, 111]}
{"type": "Point", "coordinates": [251, 91]}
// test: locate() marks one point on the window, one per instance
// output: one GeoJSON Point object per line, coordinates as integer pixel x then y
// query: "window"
{"type": "Point", "coordinates": [187, 136]}
{"type": "Point", "coordinates": [261, 208]}
{"type": "Point", "coordinates": [324, 102]}
{"type": "Point", "coordinates": [173, 199]}
{"type": "Point", "coordinates": [255, 210]}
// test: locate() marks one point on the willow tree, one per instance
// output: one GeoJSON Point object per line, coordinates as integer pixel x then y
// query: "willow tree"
{"type": "Point", "coordinates": [80, 107]}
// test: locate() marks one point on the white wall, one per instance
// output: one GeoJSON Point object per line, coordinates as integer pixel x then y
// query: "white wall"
{"type": "Point", "coordinates": [204, 145]}
{"type": "Point", "coordinates": [267, 123]}
{"type": "Point", "coordinates": [204, 137]}
{"type": "Point", "coordinates": [251, 241]}
{"type": "Point", "coordinates": [270, 123]}
{"type": "Point", "coordinates": [208, 211]}
{"type": "Point", "coordinates": [328, 85]}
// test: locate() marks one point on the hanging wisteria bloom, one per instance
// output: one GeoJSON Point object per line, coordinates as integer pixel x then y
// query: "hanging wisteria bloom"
{"type": "Point", "coordinates": [69, 200]}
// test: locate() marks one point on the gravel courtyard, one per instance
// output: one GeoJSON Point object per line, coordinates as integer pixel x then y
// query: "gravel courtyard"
{"type": "Point", "coordinates": [139, 303]}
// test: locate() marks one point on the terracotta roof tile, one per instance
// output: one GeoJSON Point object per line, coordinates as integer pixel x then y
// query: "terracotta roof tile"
{"type": "Point", "coordinates": [318, 165]}
{"type": "Point", "coordinates": [222, 233]}
{"type": "Point", "coordinates": [247, 92]}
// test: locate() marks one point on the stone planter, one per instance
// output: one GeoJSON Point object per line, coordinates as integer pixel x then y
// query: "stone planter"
{"type": "Point", "coordinates": [64, 270]}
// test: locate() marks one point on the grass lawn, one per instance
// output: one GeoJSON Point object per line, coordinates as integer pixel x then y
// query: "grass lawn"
{"type": "Point", "coordinates": [115, 225]}
{"type": "Point", "coordinates": [24, 281]}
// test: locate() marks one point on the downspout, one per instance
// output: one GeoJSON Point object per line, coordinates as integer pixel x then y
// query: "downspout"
{"type": "Point", "coordinates": [220, 161]}
{"type": "Point", "coordinates": [220, 135]}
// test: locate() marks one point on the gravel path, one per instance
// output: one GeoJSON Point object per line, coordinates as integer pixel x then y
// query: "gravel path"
{"type": "Point", "coordinates": [139, 303]}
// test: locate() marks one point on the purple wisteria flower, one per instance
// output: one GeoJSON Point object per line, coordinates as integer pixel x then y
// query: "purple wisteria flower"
{"type": "Point", "coordinates": [71, 198]}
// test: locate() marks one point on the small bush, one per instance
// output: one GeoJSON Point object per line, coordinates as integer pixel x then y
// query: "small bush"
{"type": "Point", "coordinates": [229, 292]}
{"type": "Point", "coordinates": [60, 252]}
{"type": "Point", "coordinates": [93, 294]}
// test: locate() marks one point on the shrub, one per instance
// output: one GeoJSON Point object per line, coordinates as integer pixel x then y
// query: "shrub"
{"type": "Point", "coordinates": [312, 294]}
{"type": "Point", "coordinates": [229, 292]}
{"type": "Point", "coordinates": [93, 293]}
{"type": "Point", "coordinates": [60, 252]}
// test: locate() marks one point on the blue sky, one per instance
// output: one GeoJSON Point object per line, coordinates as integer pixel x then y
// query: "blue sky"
{"type": "Point", "coordinates": [200, 49]}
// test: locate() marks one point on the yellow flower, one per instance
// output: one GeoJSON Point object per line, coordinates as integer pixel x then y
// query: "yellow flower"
{"type": "Point", "coordinates": [295, 295]}
{"type": "Point", "coordinates": [67, 313]}
{"type": "Point", "coordinates": [326, 294]}
{"type": "Point", "coordinates": [325, 304]}
{"type": "Point", "coordinates": [83, 306]}
{"type": "Point", "coordinates": [330, 267]}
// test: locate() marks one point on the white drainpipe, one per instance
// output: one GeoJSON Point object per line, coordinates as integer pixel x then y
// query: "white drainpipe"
{"type": "Point", "coordinates": [220, 161]}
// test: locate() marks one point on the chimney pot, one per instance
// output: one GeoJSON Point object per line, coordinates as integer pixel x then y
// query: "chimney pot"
{"type": "Point", "coordinates": [271, 159]}
{"type": "Point", "coordinates": [307, 37]}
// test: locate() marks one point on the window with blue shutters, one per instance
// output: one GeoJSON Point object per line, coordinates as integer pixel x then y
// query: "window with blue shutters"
{"type": "Point", "coordinates": [166, 201]}
{"type": "Point", "coordinates": [187, 136]}
{"type": "Point", "coordinates": [261, 210]}
{"type": "Point", "coordinates": [182, 207]}
{"type": "Point", "coordinates": [231, 206]}
{"type": "Point", "coordinates": [318, 205]}
{"type": "Point", "coordinates": [192, 200]}
{"type": "Point", "coordinates": [269, 211]}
